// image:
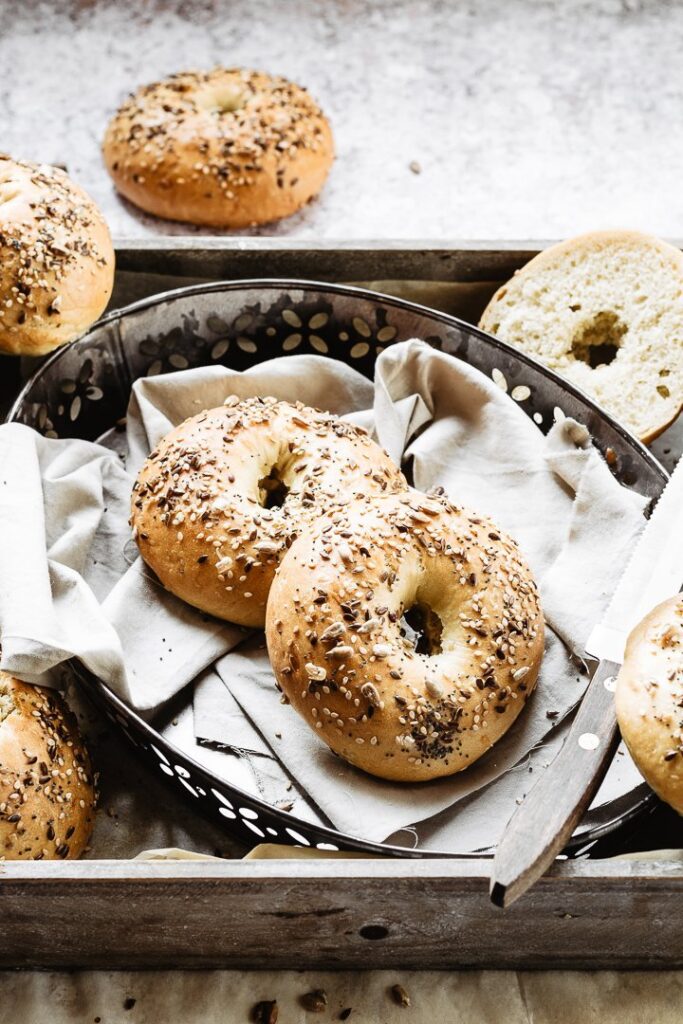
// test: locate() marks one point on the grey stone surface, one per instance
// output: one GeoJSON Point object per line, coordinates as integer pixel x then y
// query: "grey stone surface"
{"type": "Point", "coordinates": [528, 118]}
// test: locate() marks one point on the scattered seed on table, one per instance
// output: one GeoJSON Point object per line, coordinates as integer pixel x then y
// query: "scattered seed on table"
{"type": "Point", "coordinates": [399, 995]}
{"type": "Point", "coordinates": [265, 1012]}
{"type": "Point", "coordinates": [315, 1001]}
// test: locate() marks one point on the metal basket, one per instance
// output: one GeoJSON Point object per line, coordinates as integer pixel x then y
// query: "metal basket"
{"type": "Point", "coordinates": [83, 390]}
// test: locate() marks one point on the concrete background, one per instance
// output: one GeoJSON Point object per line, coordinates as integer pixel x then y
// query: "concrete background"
{"type": "Point", "coordinates": [530, 119]}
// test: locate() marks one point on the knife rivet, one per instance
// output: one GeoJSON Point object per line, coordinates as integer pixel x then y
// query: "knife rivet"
{"type": "Point", "coordinates": [589, 741]}
{"type": "Point", "coordinates": [610, 683]}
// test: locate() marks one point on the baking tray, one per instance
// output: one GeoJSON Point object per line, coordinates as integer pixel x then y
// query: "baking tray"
{"type": "Point", "coordinates": [276, 893]}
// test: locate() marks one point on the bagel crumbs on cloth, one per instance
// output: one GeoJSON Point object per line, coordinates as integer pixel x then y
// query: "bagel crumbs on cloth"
{"type": "Point", "coordinates": [74, 586]}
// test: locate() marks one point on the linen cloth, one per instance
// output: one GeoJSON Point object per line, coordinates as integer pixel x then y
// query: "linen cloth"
{"type": "Point", "coordinates": [70, 590]}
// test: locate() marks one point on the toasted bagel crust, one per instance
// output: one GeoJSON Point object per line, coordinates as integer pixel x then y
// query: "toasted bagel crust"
{"type": "Point", "coordinates": [47, 798]}
{"type": "Point", "coordinates": [649, 700]}
{"type": "Point", "coordinates": [341, 658]}
{"type": "Point", "coordinates": [56, 259]}
{"type": "Point", "coordinates": [200, 512]}
{"type": "Point", "coordinates": [228, 148]}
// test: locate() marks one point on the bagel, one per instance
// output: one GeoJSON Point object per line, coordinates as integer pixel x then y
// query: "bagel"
{"type": "Point", "coordinates": [223, 495]}
{"type": "Point", "coordinates": [341, 613]}
{"type": "Point", "coordinates": [228, 148]}
{"type": "Point", "coordinates": [649, 700]}
{"type": "Point", "coordinates": [605, 310]}
{"type": "Point", "coordinates": [47, 798]}
{"type": "Point", "coordinates": [56, 259]}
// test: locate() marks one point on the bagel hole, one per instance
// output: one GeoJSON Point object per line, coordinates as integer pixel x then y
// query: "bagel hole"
{"type": "Point", "coordinates": [423, 628]}
{"type": "Point", "coordinates": [225, 100]}
{"type": "Point", "coordinates": [598, 341]}
{"type": "Point", "coordinates": [272, 489]}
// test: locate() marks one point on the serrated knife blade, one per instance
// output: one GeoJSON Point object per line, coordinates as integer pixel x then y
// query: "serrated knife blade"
{"type": "Point", "coordinates": [653, 573]}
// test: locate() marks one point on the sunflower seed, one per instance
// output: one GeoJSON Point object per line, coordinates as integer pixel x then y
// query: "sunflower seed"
{"type": "Point", "coordinates": [345, 553]}
{"type": "Point", "coordinates": [332, 632]}
{"type": "Point", "coordinates": [381, 650]}
{"type": "Point", "coordinates": [433, 688]}
{"type": "Point", "coordinates": [315, 671]}
{"type": "Point", "coordinates": [368, 626]}
{"type": "Point", "coordinates": [521, 673]}
{"type": "Point", "coordinates": [266, 547]}
{"type": "Point", "coordinates": [399, 995]}
{"type": "Point", "coordinates": [371, 694]}
{"type": "Point", "coordinates": [341, 652]}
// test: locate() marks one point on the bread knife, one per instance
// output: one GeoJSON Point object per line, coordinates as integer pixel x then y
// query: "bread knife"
{"type": "Point", "coordinates": [544, 822]}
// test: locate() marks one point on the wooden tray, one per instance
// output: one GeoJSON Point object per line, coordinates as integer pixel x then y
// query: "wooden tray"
{"type": "Point", "coordinates": [337, 913]}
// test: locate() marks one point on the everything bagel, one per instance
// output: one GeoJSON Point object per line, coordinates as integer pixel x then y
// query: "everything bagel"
{"type": "Point", "coordinates": [56, 259]}
{"type": "Point", "coordinates": [226, 148]}
{"type": "Point", "coordinates": [218, 502]}
{"type": "Point", "coordinates": [649, 699]}
{"type": "Point", "coordinates": [346, 599]}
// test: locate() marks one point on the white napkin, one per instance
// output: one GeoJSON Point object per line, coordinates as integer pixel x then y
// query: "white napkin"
{"type": "Point", "coordinates": [555, 495]}
{"type": "Point", "coordinates": [69, 591]}
{"type": "Point", "coordinates": [62, 534]}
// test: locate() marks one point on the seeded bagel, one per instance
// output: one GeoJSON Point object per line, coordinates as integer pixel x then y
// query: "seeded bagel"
{"type": "Point", "coordinates": [605, 310]}
{"type": "Point", "coordinates": [56, 259]}
{"type": "Point", "coordinates": [47, 800]}
{"type": "Point", "coordinates": [227, 148]}
{"type": "Point", "coordinates": [407, 633]}
{"type": "Point", "coordinates": [223, 495]}
{"type": "Point", "coordinates": [649, 700]}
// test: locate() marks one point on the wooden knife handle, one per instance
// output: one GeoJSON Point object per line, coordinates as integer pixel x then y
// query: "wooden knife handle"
{"type": "Point", "coordinates": [542, 825]}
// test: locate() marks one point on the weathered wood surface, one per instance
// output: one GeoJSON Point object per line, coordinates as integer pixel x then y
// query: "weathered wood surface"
{"type": "Point", "coordinates": [337, 914]}
{"type": "Point", "coordinates": [219, 258]}
{"type": "Point", "coordinates": [473, 270]}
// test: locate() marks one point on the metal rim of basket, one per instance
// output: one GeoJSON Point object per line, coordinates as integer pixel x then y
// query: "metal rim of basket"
{"type": "Point", "coordinates": [323, 837]}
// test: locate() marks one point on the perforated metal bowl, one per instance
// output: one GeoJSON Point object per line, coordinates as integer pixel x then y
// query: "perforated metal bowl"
{"type": "Point", "coordinates": [83, 390]}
